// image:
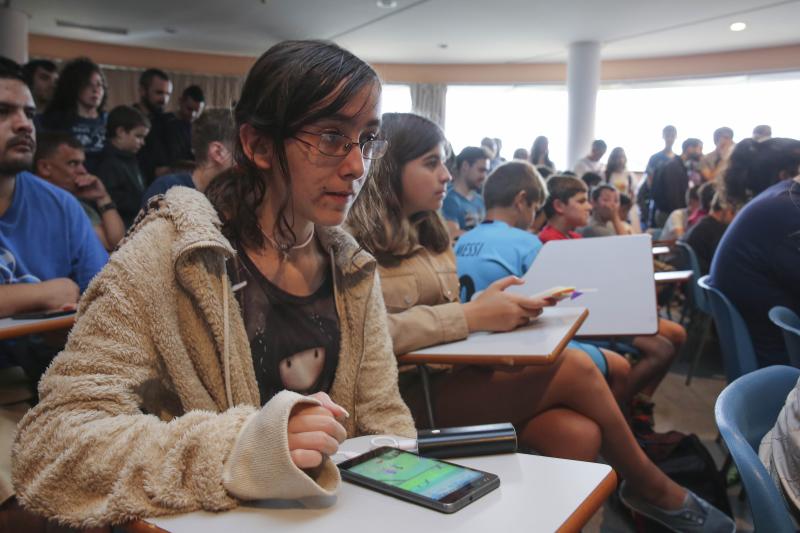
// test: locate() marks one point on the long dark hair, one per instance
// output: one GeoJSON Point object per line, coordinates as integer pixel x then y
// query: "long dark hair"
{"type": "Point", "coordinates": [73, 78]}
{"type": "Point", "coordinates": [376, 219]}
{"type": "Point", "coordinates": [294, 83]}
{"type": "Point", "coordinates": [755, 166]}
{"type": "Point", "coordinates": [540, 148]}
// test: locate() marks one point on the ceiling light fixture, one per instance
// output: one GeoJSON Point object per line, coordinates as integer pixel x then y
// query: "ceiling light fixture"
{"type": "Point", "coordinates": [386, 4]}
{"type": "Point", "coordinates": [738, 26]}
{"type": "Point", "coordinates": [91, 27]}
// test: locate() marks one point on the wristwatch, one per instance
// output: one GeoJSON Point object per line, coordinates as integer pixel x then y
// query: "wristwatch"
{"type": "Point", "coordinates": [106, 207]}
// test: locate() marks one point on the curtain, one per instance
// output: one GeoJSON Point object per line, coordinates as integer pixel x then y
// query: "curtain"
{"type": "Point", "coordinates": [123, 87]}
{"type": "Point", "coordinates": [428, 100]}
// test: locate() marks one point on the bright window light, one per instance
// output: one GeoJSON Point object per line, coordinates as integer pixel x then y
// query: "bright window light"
{"type": "Point", "coordinates": [396, 99]}
{"type": "Point", "coordinates": [633, 116]}
{"type": "Point", "coordinates": [514, 114]}
{"type": "Point", "coordinates": [628, 115]}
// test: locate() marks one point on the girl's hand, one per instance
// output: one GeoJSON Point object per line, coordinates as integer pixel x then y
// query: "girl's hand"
{"type": "Point", "coordinates": [314, 432]}
{"type": "Point", "coordinates": [496, 310]}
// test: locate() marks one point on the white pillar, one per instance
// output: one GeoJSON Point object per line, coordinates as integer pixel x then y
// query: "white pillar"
{"type": "Point", "coordinates": [583, 81]}
{"type": "Point", "coordinates": [14, 34]}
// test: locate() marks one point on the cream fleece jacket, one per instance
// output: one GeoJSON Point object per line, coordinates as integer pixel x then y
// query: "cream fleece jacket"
{"type": "Point", "coordinates": [153, 407]}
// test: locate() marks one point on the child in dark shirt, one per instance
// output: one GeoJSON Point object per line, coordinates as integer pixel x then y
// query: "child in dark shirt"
{"type": "Point", "coordinates": [705, 235]}
{"type": "Point", "coordinates": [118, 168]}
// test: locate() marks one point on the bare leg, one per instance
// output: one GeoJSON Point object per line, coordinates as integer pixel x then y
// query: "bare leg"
{"type": "Point", "coordinates": [619, 370]}
{"type": "Point", "coordinates": [562, 433]}
{"type": "Point", "coordinates": [473, 395]}
{"type": "Point", "coordinates": [657, 356]}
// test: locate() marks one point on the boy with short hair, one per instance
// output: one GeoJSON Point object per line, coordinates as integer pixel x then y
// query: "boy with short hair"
{"type": "Point", "coordinates": [119, 169]}
{"type": "Point", "coordinates": [501, 246]}
{"type": "Point", "coordinates": [567, 208]}
{"type": "Point", "coordinates": [605, 220]}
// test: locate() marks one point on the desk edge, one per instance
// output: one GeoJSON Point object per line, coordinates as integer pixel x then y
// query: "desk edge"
{"type": "Point", "coordinates": [499, 360]}
{"type": "Point", "coordinates": [581, 516]}
{"type": "Point", "coordinates": [54, 324]}
{"type": "Point", "coordinates": [141, 526]}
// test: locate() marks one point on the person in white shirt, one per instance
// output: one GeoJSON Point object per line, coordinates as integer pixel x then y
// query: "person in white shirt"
{"type": "Point", "coordinates": [591, 163]}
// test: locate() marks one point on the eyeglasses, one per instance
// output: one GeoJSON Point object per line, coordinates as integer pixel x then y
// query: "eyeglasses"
{"type": "Point", "coordinates": [336, 145]}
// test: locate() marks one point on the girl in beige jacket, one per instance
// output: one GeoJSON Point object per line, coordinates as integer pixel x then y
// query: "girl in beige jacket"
{"type": "Point", "coordinates": [166, 398]}
{"type": "Point", "coordinates": [564, 409]}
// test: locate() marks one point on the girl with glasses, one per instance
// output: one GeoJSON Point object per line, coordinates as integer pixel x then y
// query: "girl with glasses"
{"type": "Point", "coordinates": [232, 341]}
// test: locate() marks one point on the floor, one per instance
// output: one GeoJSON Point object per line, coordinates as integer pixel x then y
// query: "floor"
{"type": "Point", "coordinates": [689, 409]}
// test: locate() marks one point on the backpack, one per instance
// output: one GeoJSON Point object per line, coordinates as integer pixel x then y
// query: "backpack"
{"type": "Point", "coordinates": [687, 462]}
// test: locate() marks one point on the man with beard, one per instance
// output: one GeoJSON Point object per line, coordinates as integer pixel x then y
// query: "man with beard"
{"type": "Point", "coordinates": [48, 249]}
{"type": "Point", "coordinates": [463, 207]}
{"type": "Point", "coordinates": [671, 180]}
{"type": "Point", "coordinates": [48, 254]}
{"type": "Point", "coordinates": [155, 90]}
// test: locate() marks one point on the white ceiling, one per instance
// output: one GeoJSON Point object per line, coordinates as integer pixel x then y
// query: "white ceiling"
{"type": "Point", "coordinates": [475, 31]}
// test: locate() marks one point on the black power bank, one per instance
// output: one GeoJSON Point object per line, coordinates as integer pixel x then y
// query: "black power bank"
{"type": "Point", "coordinates": [467, 441]}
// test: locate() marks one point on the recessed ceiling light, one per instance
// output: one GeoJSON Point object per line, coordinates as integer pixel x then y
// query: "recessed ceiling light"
{"type": "Point", "coordinates": [738, 26]}
{"type": "Point", "coordinates": [386, 4]}
{"type": "Point", "coordinates": [443, 46]}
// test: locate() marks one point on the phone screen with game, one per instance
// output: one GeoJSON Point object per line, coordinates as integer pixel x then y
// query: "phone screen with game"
{"type": "Point", "coordinates": [440, 485]}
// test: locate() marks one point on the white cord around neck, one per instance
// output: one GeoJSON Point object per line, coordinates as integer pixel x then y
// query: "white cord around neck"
{"type": "Point", "coordinates": [285, 248]}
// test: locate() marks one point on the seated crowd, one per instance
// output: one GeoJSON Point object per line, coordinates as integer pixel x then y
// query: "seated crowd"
{"type": "Point", "coordinates": [268, 264]}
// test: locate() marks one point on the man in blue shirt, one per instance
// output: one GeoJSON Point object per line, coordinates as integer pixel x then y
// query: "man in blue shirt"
{"type": "Point", "coordinates": [463, 207]}
{"type": "Point", "coordinates": [48, 249]}
{"type": "Point", "coordinates": [48, 254]}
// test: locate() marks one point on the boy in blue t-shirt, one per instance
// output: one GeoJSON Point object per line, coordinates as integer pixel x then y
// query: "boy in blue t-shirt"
{"type": "Point", "coordinates": [501, 246]}
{"type": "Point", "coordinates": [463, 206]}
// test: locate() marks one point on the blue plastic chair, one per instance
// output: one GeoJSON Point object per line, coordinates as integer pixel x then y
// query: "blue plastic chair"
{"type": "Point", "coordinates": [745, 411]}
{"type": "Point", "coordinates": [789, 322]}
{"type": "Point", "coordinates": [734, 337]}
{"type": "Point", "coordinates": [699, 316]}
{"type": "Point", "coordinates": [697, 294]}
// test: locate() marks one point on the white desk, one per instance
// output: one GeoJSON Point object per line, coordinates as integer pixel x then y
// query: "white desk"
{"type": "Point", "coordinates": [536, 494]}
{"type": "Point", "coordinates": [536, 344]}
{"type": "Point", "coordinates": [617, 273]}
{"type": "Point", "coordinates": [672, 276]}
{"type": "Point", "coordinates": [10, 328]}
{"type": "Point", "coordinates": [660, 250]}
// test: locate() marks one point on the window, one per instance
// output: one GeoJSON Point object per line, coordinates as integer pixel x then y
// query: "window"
{"type": "Point", "coordinates": [396, 99]}
{"type": "Point", "coordinates": [516, 114]}
{"type": "Point", "coordinates": [633, 115]}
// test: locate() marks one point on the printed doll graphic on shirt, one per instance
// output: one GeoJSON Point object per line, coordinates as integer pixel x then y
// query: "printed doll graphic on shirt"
{"type": "Point", "coordinates": [8, 270]}
{"type": "Point", "coordinates": [294, 340]}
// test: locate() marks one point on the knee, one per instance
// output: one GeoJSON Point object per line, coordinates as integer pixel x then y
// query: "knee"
{"type": "Point", "coordinates": [580, 363]}
{"type": "Point", "coordinates": [673, 331]}
{"type": "Point", "coordinates": [663, 351]}
{"type": "Point", "coordinates": [618, 366]}
{"type": "Point", "coordinates": [563, 433]}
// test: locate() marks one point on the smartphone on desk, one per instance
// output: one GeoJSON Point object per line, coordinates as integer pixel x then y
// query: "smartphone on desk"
{"type": "Point", "coordinates": [37, 315]}
{"type": "Point", "coordinates": [440, 485]}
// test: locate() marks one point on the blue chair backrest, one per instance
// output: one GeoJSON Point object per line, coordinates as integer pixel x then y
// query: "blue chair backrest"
{"type": "Point", "coordinates": [745, 411]}
{"type": "Point", "coordinates": [734, 337]}
{"type": "Point", "coordinates": [698, 294]}
{"type": "Point", "coordinates": [789, 322]}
